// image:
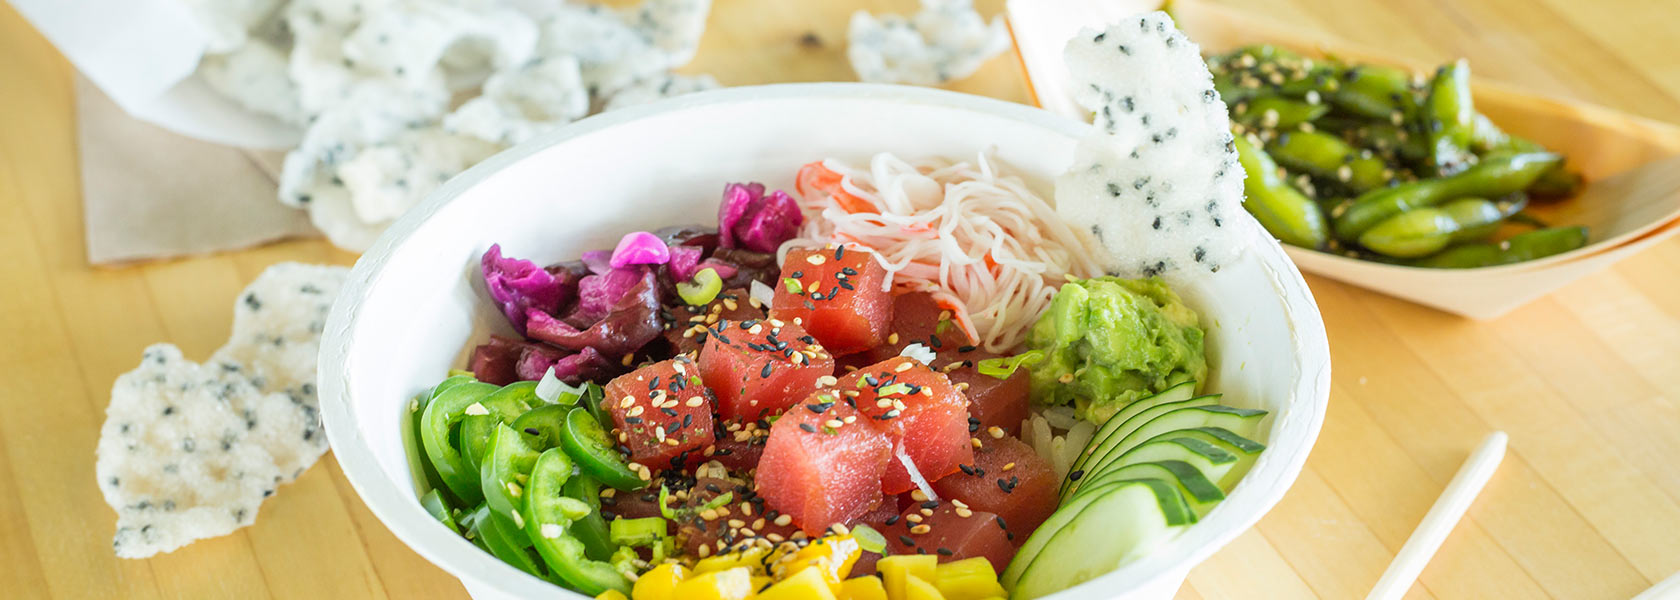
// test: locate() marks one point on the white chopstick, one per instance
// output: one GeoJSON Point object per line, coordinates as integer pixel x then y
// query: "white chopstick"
{"type": "Point", "coordinates": [1439, 522]}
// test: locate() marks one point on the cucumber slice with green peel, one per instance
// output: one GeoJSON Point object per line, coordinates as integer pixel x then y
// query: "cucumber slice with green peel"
{"type": "Point", "coordinates": [1061, 518]}
{"type": "Point", "coordinates": [1117, 526]}
{"type": "Point", "coordinates": [1200, 493]}
{"type": "Point", "coordinates": [1209, 460]}
{"type": "Point", "coordinates": [1178, 393]}
{"type": "Point", "coordinates": [1247, 451]}
{"type": "Point", "coordinates": [1175, 418]}
{"type": "Point", "coordinates": [1112, 433]}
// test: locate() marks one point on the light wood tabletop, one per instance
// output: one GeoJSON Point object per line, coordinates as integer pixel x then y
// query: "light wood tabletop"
{"type": "Point", "coordinates": [1585, 506]}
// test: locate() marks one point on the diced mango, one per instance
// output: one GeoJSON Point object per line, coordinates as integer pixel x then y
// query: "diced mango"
{"type": "Point", "coordinates": [833, 555]}
{"type": "Point", "coordinates": [659, 583]}
{"type": "Point", "coordinates": [759, 582]}
{"type": "Point", "coordinates": [804, 585]}
{"type": "Point", "coordinates": [868, 587]}
{"type": "Point", "coordinates": [899, 568]}
{"type": "Point", "coordinates": [751, 558]}
{"type": "Point", "coordinates": [728, 584]}
{"type": "Point", "coordinates": [612, 595]}
{"type": "Point", "coordinates": [968, 579]}
{"type": "Point", "coordinates": [916, 588]}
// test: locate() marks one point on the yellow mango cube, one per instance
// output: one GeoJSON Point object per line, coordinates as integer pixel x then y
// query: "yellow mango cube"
{"type": "Point", "coordinates": [968, 579]}
{"type": "Point", "coordinates": [834, 555]}
{"type": "Point", "coordinates": [868, 587]}
{"type": "Point", "coordinates": [896, 570]}
{"type": "Point", "coordinates": [659, 582]}
{"type": "Point", "coordinates": [804, 585]}
{"type": "Point", "coordinates": [916, 588]}
{"type": "Point", "coordinates": [611, 595]}
{"type": "Point", "coordinates": [728, 584]}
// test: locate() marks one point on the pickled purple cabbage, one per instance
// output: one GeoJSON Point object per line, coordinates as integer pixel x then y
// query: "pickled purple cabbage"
{"type": "Point", "coordinates": [750, 219]}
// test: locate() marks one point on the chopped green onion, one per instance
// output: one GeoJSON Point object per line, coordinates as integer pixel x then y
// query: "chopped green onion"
{"type": "Point", "coordinates": [894, 389]}
{"type": "Point", "coordinates": [703, 288]}
{"type": "Point", "coordinates": [1003, 367]}
{"type": "Point", "coordinates": [868, 539]}
{"type": "Point", "coordinates": [624, 561]}
{"type": "Point", "coordinates": [793, 286]}
{"type": "Point", "coordinates": [679, 513]}
{"type": "Point", "coordinates": [943, 326]}
{"type": "Point", "coordinates": [643, 532]}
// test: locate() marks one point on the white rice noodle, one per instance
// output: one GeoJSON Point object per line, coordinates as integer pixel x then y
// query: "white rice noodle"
{"type": "Point", "coordinates": [1057, 446]}
{"type": "Point", "coordinates": [936, 223]}
{"type": "Point", "coordinates": [915, 474]}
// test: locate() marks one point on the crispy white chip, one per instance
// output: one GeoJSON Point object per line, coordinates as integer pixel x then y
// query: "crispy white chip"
{"type": "Point", "coordinates": [1158, 182]}
{"type": "Point", "coordinates": [947, 40]}
{"type": "Point", "coordinates": [373, 112]}
{"type": "Point", "coordinates": [190, 451]}
{"type": "Point", "coordinates": [255, 75]}
{"type": "Point", "coordinates": [228, 22]}
{"type": "Point", "coordinates": [387, 179]}
{"type": "Point", "coordinates": [664, 85]}
{"type": "Point", "coordinates": [674, 26]}
{"type": "Point", "coordinates": [520, 103]}
{"type": "Point", "coordinates": [411, 39]}
{"type": "Point", "coordinates": [610, 52]}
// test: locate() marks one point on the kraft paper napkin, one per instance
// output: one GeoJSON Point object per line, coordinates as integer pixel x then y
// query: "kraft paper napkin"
{"type": "Point", "coordinates": [150, 193]}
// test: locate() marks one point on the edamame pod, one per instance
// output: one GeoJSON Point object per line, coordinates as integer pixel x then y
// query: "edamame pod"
{"type": "Point", "coordinates": [1390, 139]}
{"type": "Point", "coordinates": [1283, 211]}
{"type": "Point", "coordinates": [1531, 245]}
{"type": "Point", "coordinates": [1328, 157]}
{"type": "Point", "coordinates": [1277, 112]}
{"type": "Point", "coordinates": [1424, 231]}
{"type": "Point", "coordinates": [1448, 118]}
{"type": "Point", "coordinates": [1375, 92]}
{"type": "Point", "coordinates": [1478, 218]}
{"type": "Point", "coordinates": [1495, 176]}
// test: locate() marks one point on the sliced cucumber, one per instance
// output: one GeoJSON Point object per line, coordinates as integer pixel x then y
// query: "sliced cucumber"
{"type": "Point", "coordinates": [1247, 450]}
{"type": "Point", "coordinates": [1239, 420]}
{"type": "Point", "coordinates": [1211, 460]}
{"type": "Point", "coordinates": [1099, 444]}
{"type": "Point", "coordinates": [1199, 492]}
{"type": "Point", "coordinates": [1117, 526]}
{"type": "Point", "coordinates": [1178, 393]}
{"type": "Point", "coordinates": [1061, 518]}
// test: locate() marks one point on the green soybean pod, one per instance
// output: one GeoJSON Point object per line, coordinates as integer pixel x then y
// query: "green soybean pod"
{"type": "Point", "coordinates": [1277, 112]}
{"type": "Point", "coordinates": [1411, 234]}
{"type": "Point", "coordinates": [1390, 138]}
{"type": "Point", "coordinates": [1527, 246]}
{"type": "Point", "coordinates": [1494, 176]}
{"type": "Point", "coordinates": [1375, 92]}
{"type": "Point", "coordinates": [1448, 118]}
{"type": "Point", "coordinates": [1283, 211]}
{"type": "Point", "coordinates": [1327, 156]}
{"type": "Point", "coordinates": [1474, 218]}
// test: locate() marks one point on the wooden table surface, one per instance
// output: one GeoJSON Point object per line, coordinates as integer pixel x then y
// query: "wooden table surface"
{"type": "Point", "coordinates": [1586, 505]}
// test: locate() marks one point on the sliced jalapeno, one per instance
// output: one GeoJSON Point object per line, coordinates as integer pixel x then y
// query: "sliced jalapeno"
{"type": "Point", "coordinates": [507, 467]}
{"type": "Point", "coordinates": [417, 448]}
{"type": "Point", "coordinates": [507, 542]}
{"type": "Point", "coordinates": [440, 422]}
{"type": "Point", "coordinates": [587, 443]}
{"type": "Point", "coordinates": [434, 504]}
{"type": "Point", "coordinates": [549, 518]}
{"type": "Point", "coordinates": [475, 438]}
{"type": "Point", "coordinates": [541, 426]}
{"type": "Point", "coordinates": [592, 528]}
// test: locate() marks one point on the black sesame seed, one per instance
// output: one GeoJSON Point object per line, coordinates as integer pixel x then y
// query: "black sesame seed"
{"type": "Point", "coordinates": [669, 412]}
{"type": "Point", "coordinates": [931, 504]}
{"type": "Point", "coordinates": [1001, 524]}
{"type": "Point", "coordinates": [807, 427]}
{"type": "Point", "coordinates": [765, 372]}
{"type": "Point", "coordinates": [907, 541]}
{"type": "Point", "coordinates": [892, 519]}
{"type": "Point", "coordinates": [798, 274]}
{"type": "Point", "coordinates": [945, 551]}
{"type": "Point", "coordinates": [654, 383]}
{"type": "Point", "coordinates": [533, 431]}
{"type": "Point", "coordinates": [1076, 474]}
{"type": "Point", "coordinates": [632, 420]}
{"type": "Point", "coordinates": [1004, 485]}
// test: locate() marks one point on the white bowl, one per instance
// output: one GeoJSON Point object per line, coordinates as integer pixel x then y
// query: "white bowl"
{"type": "Point", "coordinates": [415, 301]}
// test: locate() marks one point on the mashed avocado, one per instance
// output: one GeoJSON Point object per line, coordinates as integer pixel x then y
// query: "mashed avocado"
{"type": "Point", "coordinates": [1108, 342]}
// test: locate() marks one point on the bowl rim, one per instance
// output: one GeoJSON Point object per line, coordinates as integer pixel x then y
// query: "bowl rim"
{"type": "Point", "coordinates": [396, 506]}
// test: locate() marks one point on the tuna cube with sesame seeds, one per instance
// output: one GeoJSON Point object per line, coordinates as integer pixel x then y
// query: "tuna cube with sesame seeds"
{"type": "Point", "coordinates": [685, 329]}
{"type": "Point", "coordinates": [823, 464]}
{"type": "Point", "coordinates": [662, 412]}
{"type": "Point", "coordinates": [759, 368]}
{"type": "Point", "coordinates": [951, 532]}
{"type": "Point", "coordinates": [1008, 478]}
{"type": "Point", "coordinates": [918, 409]}
{"type": "Point", "coordinates": [837, 293]}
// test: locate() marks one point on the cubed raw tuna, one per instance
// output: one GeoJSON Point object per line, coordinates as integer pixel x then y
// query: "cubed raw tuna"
{"type": "Point", "coordinates": [950, 532]}
{"type": "Point", "coordinates": [662, 412]}
{"type": "Point", "coordinates": [686, 328]}
{"type": "Point", "coordinates": [760, 368]}
{"type": "Point", "coordinates": [737, 456]}
{"type": "Point", "coordinates": [1006, 478]}
{"type": "Point", "coordinates": [992, 402]}
{"type": "Point", "coordinates": [823, 463]}
{"type": "Point", "coordinates": [836, 294]}
{"type": "Point", "coordinates": [918, 319]}
{"type": "Point", "coordinates": [630, 505]}
{"type": "Point", "coordinates": [887, 512]}
{"type": "Point", "coordinates": [920, 411]}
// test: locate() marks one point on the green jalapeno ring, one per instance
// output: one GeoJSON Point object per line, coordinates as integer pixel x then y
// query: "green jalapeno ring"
{"type": "Point", "coordinates": [549, 527]}
{"type": "Point", "coordinates": [506, 470]}
{"type": "Point", "coordinates": [592, 529]}
{"type": "Point", "coordinates": [587, 443]}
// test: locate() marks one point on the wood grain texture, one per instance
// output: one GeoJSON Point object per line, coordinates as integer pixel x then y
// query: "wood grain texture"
{"type": "Point", "coordinates": [1587, 504]}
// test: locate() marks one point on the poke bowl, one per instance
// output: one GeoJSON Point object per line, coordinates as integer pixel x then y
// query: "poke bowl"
{"type": "Point", "coordinates": [417, 301]}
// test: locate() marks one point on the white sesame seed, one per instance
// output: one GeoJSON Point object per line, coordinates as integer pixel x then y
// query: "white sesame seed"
{"type": "Point", "coordinates": [477, 408]}
{"type": "Point", "coordinates": [784, 520]}
{"type": "Point", "coordinates": [815, 259]}
{"type": "Point", "coordinates": [551, 530]}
